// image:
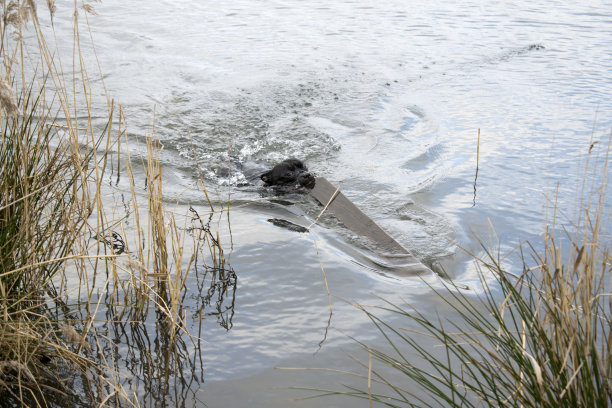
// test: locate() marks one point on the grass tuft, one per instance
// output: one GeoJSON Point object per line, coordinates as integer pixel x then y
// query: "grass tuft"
{"type": "Point", "coordinates": [539, 339]}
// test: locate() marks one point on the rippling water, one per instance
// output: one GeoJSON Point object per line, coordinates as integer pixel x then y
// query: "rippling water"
{"type": "Point", "coordinates": [384, 99]}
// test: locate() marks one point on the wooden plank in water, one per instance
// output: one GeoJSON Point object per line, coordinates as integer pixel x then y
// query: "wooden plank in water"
{"type": "Point", "coordinates": [400, 260]}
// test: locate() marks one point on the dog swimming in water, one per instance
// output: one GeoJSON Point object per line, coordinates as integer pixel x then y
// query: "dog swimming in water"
{"type": "Point", "coordinates": [289, 173]}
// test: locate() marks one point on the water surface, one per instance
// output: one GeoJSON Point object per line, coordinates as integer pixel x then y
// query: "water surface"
{"type": "Point", "coordinates": [384, 99]}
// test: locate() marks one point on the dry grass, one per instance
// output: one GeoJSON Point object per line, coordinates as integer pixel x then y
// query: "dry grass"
{"type": "Point", "coordinates": [74, 263]}
{"type": "Point", "coordinates": [539, 339]}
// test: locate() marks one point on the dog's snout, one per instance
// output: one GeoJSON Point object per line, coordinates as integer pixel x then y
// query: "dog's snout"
{"type": "Point", "coordinates": [306, 179]}
{"type": "Point", "coordinates": [289, 172]}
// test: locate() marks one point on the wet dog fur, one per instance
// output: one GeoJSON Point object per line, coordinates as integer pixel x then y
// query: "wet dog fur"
{"type": "Point", "coordinates": [289, 172]}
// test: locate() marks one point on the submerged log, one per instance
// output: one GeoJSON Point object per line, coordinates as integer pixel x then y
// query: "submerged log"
{"type": "Point", "coordinates": [396, 258]}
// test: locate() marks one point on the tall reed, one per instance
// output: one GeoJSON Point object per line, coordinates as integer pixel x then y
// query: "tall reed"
{"type": "Point", "coordinates": [74, 263]}
{"type": "Point", "coordinates": [44, 207]}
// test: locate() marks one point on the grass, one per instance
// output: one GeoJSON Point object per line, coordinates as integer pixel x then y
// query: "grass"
{"type": "Point", "coordinates": [538, 339]}
{"type": "Point", "coordinates": [77, 266]}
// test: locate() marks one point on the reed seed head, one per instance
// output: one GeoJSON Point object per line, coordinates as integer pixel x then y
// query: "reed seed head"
{"type": "Point", "coordinates": [51, 7]}
{"type": "Point", "coordinates": [72, 336]}
{"type": "Point", "coordinates": [7, 99]}
{"type": "Point", "coordinates": [89, 9]}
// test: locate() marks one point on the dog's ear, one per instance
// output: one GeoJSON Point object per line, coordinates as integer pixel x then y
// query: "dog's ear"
{"type": "Point", "coordinates": [266, 176]}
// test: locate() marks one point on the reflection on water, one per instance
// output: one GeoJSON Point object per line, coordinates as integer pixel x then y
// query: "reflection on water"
{"type": "Point", "coordinates": [216, 284]}
{"type": "Point", "coordinates": [155, 342]}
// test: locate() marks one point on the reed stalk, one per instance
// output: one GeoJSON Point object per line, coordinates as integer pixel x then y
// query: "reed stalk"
{"type": "Point", "coordinates": [76, 265]}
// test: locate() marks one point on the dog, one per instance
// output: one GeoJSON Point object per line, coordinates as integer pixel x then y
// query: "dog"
{"type": "Point", "coordinates": [288, 173]}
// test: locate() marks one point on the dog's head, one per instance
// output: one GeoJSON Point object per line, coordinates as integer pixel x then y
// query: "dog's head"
{"type": "Point", "coordinates": [288, 173]}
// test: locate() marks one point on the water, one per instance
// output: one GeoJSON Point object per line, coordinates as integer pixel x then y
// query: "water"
{"type": "Point", "coordinates": [384, 99]}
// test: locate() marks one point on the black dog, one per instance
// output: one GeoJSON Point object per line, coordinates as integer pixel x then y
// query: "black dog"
{"type": "Point", "coordinates": [289, 173]}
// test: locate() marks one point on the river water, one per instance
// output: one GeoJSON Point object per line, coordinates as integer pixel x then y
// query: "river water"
{"type": "Point", "coordinates": [386, 100]}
